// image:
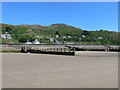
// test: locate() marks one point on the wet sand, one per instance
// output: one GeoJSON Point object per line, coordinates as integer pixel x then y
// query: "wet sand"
{"type": "Point", "coordinates": [53, 71]}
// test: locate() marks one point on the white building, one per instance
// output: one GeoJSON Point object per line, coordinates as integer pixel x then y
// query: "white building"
{"type": "Point", "coordinates": [69, 36]}
{"type": "Point", "coordinates": [100, 38]}
{"type": "Point", "coordinates": [57, 36]}
{"type": "Point", "coordinates": [8, 36]}
{"type": "Point", "coordinates": [36, 42]}
{"type": "Point", "coordinates": [40, 36]}
{"type": "Point", "coordinates": [51, 39]}
{"type": "Point", "coordinates": [5, 36]}
{"type": "Point", "coordinates": [28, 43]}
{"type": "Point", "coordinates": [64, 37]}
{"type": "Point", "coordinates": [83, 35]}
{"type": "Point", "coordinates": [29, 29]}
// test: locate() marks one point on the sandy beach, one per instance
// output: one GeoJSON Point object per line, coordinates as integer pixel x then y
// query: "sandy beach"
{"type": "Point", "coordinates": [87, 70]}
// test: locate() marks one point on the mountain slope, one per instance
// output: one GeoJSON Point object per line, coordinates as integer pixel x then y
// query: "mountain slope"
{"type": "Point", "coordinates": [70, 34]}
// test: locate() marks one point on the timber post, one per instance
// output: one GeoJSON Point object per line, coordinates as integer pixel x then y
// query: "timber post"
{"type": "Point", "coordinates": [74, 52]}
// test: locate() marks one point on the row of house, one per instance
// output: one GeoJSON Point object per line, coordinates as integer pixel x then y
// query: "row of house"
{"type": "Point", "coordinates": [37, 42]}
{"type": "Point", "coordinates": [57, 36]}
{"type": "Point", "coordinates": [8, 36]}
{"type": "Point", "coordinates": [34, 42]}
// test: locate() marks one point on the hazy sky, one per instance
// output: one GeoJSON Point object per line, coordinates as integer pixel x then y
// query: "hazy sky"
{"type": "Point", "coordinates": [84, 15]}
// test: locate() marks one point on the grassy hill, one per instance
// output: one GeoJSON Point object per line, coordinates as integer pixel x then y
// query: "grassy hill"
{"type": "Point", "coordinates": [65, 33]}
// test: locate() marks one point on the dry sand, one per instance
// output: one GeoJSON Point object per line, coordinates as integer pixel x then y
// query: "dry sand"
{"type": "Point", "coordinates": [0, 71]}
{"type": "Point", "coordinates": [53, 71]}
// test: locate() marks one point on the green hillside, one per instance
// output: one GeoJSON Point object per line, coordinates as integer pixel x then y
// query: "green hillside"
{"type": "Point", "coordinates": [58, 32]}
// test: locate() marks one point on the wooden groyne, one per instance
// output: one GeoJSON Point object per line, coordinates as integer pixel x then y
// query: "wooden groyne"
{"type": "Point", "coordinates": [19, 46]}
{"type": "Point", "coordinates": [114, 48]}
{"type": "Point", "coordinates": [67, 50]}
{"type": "Point", "coordinates": [95, 48]}
{"type": "Point", "coordinates": [56, 51]}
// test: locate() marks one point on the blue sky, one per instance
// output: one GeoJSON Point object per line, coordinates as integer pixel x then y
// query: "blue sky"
{"type": "Point", "coordinates": [84, 15]}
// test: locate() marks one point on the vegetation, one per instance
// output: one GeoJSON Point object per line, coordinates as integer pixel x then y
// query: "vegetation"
{"type": "Point", "coordinates": [10, 51]}
{"type": "Point", "coordinates": [66, 33]}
